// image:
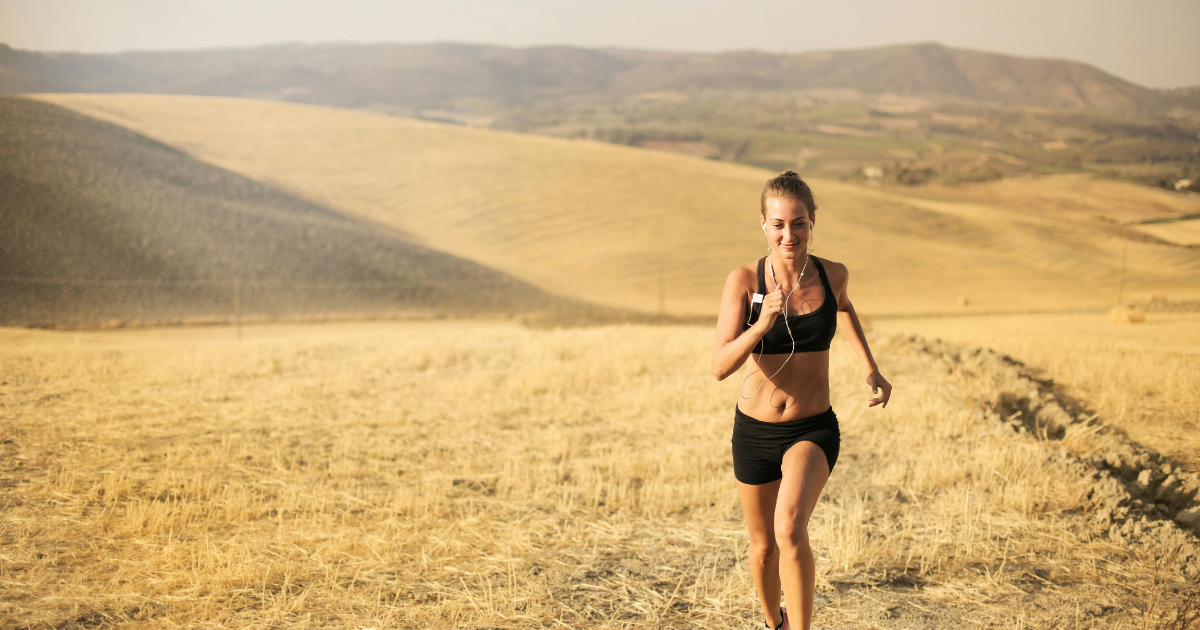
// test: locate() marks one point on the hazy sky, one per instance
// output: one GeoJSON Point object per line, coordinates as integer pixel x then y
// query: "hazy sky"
{"type": "Point", "coordinates": [1151, 42]}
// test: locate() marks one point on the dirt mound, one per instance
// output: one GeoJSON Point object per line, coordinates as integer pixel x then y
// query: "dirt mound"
{"type": "Point", "coordinates": [102, 226]}
{"type": "Point", "coordinates": [1140, 497]}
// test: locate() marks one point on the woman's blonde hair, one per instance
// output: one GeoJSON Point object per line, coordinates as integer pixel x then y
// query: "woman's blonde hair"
{"type": "Point", "coordinates": [788, 185]}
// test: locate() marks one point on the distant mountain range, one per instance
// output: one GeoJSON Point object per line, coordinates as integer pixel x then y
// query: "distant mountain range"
{"type": "Point", "coordinates": [430, 76]}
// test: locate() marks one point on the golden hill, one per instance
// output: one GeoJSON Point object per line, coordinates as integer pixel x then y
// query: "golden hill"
{"type": "Point", "coordinates": [102, 226]}
{"type": "Point", "coordinates": [630, 228]}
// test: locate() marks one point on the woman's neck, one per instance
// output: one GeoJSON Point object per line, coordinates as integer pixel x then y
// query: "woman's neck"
{"type": "Point", "coordinates": [787, 272]}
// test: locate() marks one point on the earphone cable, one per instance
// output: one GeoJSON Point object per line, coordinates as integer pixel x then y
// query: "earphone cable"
{"type": "Point", "coordinates": [785, 324]}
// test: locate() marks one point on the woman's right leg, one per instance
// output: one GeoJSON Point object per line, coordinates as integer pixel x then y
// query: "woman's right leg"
{"type": "Point", "coordinates": [758, 505]}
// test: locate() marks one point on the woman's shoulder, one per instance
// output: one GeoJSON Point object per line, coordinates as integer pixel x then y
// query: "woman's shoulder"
{"type": "Point", "coordinates": [745, 276]}
{"type": "Point", "coordinates": [837, 272]}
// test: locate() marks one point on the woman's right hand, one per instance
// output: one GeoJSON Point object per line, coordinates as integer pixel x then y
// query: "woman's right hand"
{"type": "Point", "coordinates": [772, 306]}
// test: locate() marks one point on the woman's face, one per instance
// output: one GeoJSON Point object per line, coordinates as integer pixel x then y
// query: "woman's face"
{"type": "Point", "coordinates": [788, 226]}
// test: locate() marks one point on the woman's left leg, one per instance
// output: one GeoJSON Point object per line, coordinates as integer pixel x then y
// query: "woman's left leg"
{"type": "Point", "coordinates": [805, 472]}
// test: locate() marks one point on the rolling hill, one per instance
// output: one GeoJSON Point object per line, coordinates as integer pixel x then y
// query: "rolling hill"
{"type": "Point", "coordinates": [100, 225]}
{"type": "Point", "coordinates": [644, 230]}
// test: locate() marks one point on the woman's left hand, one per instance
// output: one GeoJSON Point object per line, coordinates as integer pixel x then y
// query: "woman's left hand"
{"type": "Point", "coordinates": [877, 383]}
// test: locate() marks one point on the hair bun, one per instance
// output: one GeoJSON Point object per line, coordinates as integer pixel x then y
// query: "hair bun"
{"type": "Point", "coordinates": [787, 185]}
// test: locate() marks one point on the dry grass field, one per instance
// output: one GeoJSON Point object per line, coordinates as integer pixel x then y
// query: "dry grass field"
{"type": "Point", "coordinates": [645, 230]}
{"type": "Point", "coordinates": [1143, 379]}
{"type": "Point", "coordinates": [479, 475]}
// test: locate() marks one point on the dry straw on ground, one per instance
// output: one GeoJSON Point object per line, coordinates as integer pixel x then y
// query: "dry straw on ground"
{"type": "Point", "coordinates": [484, 475]}
{"type": "Point", "coordinates": [1141, 379]}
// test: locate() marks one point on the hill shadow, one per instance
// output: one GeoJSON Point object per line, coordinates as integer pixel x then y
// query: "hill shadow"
{"type": "Point", "coordinates": [100, 226]}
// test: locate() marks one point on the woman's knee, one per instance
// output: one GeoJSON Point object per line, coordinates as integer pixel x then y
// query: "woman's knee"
{"type": "Point", "coordinates": [792, 532]}
{"type": "Point", "coordinates": [763, 548]}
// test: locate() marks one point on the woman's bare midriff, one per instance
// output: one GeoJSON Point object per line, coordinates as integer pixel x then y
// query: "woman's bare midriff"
{"type": "Point", "coordinates": [800, 390]}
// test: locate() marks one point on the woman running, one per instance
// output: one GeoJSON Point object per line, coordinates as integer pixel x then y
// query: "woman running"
{"type": "Point", "coordinates": [781, 314]}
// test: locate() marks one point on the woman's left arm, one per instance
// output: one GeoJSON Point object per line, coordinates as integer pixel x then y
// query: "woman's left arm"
{"type": "Point", "coordinates": [853, 331]}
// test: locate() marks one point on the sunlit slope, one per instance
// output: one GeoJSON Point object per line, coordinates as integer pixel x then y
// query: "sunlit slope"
{"type": "Point", "coordinates": [102, 226]}
{"type": "Point", "coordinates": [628, 227]}
{"type": "Point", "coordinates": [1161, 214]}
{"type": "Point", "coordinates": [1078, 194]}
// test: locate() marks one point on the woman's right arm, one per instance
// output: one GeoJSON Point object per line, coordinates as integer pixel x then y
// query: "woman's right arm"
{"type": "Point", "coordinates": [733, 346]}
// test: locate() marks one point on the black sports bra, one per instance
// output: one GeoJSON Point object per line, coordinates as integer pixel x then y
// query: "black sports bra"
{"type": "Point", "coordinates": [813, 331]}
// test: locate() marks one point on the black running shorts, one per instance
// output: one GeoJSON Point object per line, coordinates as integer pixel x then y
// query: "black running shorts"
{"type": "Point", "coordinates": [758, 446]}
